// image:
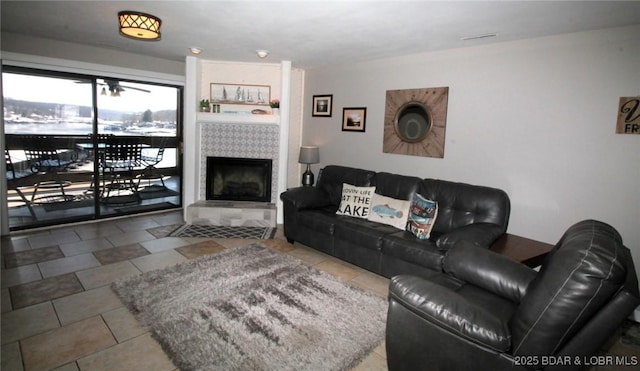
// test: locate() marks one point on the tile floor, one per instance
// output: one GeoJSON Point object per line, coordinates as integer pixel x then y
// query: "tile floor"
{"type": "Point", "coordinates": [59, 313]}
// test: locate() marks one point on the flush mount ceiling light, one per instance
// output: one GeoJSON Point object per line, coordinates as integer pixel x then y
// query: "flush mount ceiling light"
{"type": "Point", "coordinates": [139, 26]}
{"type": "Point", "coordinates": [262, 53]}
{"type": "Point", "coordinates": [195, 50]}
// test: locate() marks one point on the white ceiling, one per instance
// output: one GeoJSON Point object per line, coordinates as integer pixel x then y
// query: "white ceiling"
{"type": "Point", "coordinates": [311, 33]}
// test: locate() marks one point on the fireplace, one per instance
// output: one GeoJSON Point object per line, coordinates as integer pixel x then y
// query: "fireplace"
{"type": "Point", "coordinates": [238, 179]}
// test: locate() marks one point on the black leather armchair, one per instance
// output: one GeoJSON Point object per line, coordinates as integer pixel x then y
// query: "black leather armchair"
{"type": "Point", "coordinates": [488, 312]}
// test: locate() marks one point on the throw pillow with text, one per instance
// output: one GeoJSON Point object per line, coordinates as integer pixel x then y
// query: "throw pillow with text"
{"type": "Point", "coordinates": [356, 201]}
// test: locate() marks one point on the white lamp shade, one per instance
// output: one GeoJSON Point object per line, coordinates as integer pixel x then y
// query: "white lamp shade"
{"type": "Point", "coordinates": [309, 155]}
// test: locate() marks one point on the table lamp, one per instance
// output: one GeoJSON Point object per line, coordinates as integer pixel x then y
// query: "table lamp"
{"type": "Point", "coordinates": [308, 155]}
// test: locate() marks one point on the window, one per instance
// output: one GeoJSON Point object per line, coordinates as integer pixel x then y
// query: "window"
{"type": "Point", "coordinates": [75, 113]}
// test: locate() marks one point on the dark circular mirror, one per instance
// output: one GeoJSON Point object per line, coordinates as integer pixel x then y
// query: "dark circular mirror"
{"type": "Point", "coordinates": [412, 122]}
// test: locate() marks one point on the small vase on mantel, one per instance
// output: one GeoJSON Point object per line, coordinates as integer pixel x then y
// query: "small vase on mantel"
{"type": "Point", "coordinates": [204, 105]}
{"type": "Point", "coordinates": [275, 106]}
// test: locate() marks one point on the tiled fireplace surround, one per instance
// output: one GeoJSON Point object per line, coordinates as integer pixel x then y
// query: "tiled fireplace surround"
{"type": "Point", "coordinates": [240, 140]}
{"type": "Point", "coordinates": [243, 141]}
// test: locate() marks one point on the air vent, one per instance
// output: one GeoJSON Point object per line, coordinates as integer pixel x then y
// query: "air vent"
{"type": "Point", "coordinates": [476, 37]}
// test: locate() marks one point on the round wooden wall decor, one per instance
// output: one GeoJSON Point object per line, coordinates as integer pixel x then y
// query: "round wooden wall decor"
{"type": "Point", "coordinates": [415, 121]}
{"type": "Point", "coordinates": [412, 122]}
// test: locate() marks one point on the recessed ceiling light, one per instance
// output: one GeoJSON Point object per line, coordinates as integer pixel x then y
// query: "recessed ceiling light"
{"type": "Point", "coordinates": [480, 36]}
{"type": "Point", "coordinates": [195, 50]}
{"type": "Point", "coordinates": [262, 53]}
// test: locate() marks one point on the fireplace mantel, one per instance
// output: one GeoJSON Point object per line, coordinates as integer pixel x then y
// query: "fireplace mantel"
{"type": "Point", "coordinates": [201, 129]}
{"type": "Point", "coordinates": [232, 118]}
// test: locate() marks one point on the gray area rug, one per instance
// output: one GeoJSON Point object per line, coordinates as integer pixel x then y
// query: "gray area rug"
{"type": "Point", "coordinates": [630, 333]}
{"type": "Point", "coordinates": [216, 231]}
{"type": "Point", "coordinates": [252, 308]}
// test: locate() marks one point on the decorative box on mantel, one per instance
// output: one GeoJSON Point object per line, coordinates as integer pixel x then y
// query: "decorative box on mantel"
{"type": "Point", "coordinates": [232, 213]}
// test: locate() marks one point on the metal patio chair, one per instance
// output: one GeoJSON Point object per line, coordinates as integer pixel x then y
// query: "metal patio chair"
{"type": "Point", "coordinates": [14, 181]}
{"type": "Point", "coordinates": [150, 160]}
{"type": "Point", "coordinates": [121, 156]}
{"type": "Point", "coordinates": [47, 161]}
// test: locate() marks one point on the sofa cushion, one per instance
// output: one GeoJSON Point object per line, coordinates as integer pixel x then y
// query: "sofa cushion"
{"type": "Point", "coordinates": [479, 267]}
{"type": "Point", "coordinates": [422, 216]}
{"type": "Point", "coordinates": [390, 211]}
{"type": "Point", "coordinates": [322, 221]}
{"type": "Point", "coordinates": [471, 314]}
{"type": "Point", "coordinates": [332, 177]}
{"type": "Point", "coordinates": [405, 246]}
{"type": "Point", "coordinates": [361, 232]}
{"type": "Point", "coordinates": [356, 201]}
{"type": "Point", "coordinates": [396, 186]}
{"type": "Point", "coordinates": [305, 198]}
{"type": "Point", "coordinates": [461, 204]}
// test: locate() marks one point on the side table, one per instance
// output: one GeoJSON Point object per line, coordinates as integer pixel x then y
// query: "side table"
{"type": "Point", "coordinates": [521, 249]}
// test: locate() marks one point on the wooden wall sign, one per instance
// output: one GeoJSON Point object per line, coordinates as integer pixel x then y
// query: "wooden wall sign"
{"type": "Point", "coordinates": [628, 116]}
{"type": "Point", "coordinates": [415, 121]}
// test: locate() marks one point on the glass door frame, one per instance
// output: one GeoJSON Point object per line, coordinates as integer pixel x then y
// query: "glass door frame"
{"type": "Point", "coordinates": [93, 79]}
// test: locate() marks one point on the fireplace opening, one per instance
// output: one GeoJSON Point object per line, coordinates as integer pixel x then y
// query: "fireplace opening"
{"type": "Point", "coordinates": [238, 179]}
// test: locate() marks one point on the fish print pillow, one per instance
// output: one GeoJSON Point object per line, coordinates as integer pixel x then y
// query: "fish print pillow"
{"type": "Point", "coordinates": [422, 216]}
{"type": "Point", "coordinates": [389, 211]}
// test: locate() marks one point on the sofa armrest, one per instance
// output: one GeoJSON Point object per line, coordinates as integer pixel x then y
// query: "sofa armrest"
{"type": "Point", "coordinates": [305, 198]}
{"type": "Point", "coordinates": [488, 270]}
{"type": "Point", "coordinates": [482, 234]}
{"type": "Point", "coordinates": [447, 309]}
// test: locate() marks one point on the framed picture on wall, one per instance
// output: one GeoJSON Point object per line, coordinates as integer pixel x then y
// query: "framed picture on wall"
{"type": "Point", "coordinates": [322, 105]}
{"type": "Point", "coordinates": [241, 94]}
{"type": "Point", "coordinates": [354, 119]}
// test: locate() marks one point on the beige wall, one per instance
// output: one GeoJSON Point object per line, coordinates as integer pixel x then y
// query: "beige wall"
{"type": "Point", "coordinates": [238, 74]}
{"type": "Point", "coordinates": [262, 74]}
{"type": "Point", "coordinates": [534, 117]}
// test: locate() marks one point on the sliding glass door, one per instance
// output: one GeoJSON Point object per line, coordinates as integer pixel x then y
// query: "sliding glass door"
{"type": "Point", "coordinates": [82, 147]}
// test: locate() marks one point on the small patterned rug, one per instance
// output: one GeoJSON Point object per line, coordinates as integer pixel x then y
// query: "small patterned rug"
{"type": "Point", "coordinates": [216, 231]}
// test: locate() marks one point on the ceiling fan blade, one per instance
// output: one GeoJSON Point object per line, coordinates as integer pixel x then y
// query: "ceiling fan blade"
{"type": "Point", "coordinates": [89, 82]}
{"type": "Point", "coordinates": [131, 87]}
{"type": "Point", "coordinates": [114, 85]}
